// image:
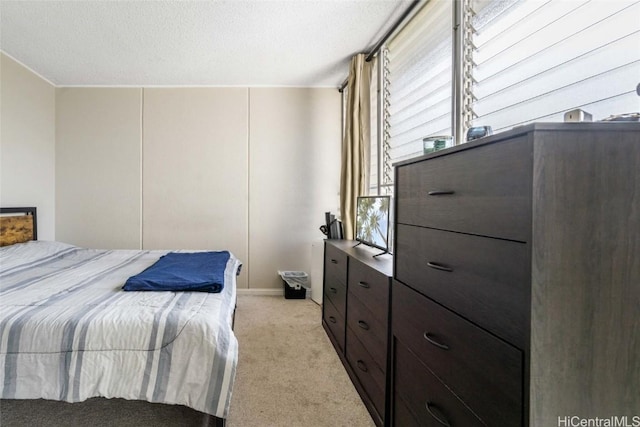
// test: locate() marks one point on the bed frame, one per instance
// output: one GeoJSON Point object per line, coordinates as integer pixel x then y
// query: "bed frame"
{"type": "Point", "coordinates": [19, 225]}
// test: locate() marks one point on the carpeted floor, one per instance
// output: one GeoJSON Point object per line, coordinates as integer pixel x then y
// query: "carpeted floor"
{"type": "Point", "coordinates": [288, 372]}
{"type": "Point", "coordinates": [288, 375]}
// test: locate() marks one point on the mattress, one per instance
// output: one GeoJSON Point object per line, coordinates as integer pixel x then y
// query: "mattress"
{"type": "Point", "coordinates": [69, 332]}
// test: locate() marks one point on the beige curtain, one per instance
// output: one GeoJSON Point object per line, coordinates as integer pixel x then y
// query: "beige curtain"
{"type": "Point", "coordinates": [354, 177]}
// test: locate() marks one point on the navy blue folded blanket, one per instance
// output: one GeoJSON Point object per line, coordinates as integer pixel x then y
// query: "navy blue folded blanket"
{"type": "Point", "coordinates": [178, 271]}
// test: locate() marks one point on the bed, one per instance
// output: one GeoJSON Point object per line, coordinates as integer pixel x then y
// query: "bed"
{"type": "Point", "coordinates": [70, 333]}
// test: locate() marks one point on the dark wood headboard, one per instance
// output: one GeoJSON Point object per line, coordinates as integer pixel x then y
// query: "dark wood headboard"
{"type": "Point", "coordinates": [18, 225]}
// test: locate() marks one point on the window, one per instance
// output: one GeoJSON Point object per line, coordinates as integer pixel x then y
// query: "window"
{"type": "Point", "coordinates": [536, 60]}
{"type": "Point", "coordinates": [419, 80]}
{"type": "Point", "coordinates": [519, 61]}
{"type": "Point", "coordinates": [375, 165]}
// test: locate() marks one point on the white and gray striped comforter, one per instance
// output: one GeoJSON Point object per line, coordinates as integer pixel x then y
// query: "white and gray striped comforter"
{"type": "Point", "coordinates": [68, 332]}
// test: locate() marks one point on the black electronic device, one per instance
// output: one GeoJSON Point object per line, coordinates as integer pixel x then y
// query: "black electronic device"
{"type": "Point", "coordinates": [332, 228]}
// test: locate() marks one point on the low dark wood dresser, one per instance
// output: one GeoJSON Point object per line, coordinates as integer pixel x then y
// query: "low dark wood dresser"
{"type": "Point", "coordinates": [516, 283]}
{"type": "Point", "coordinates": [356, 317]}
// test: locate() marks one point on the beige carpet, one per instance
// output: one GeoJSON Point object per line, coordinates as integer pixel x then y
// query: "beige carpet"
{"type": "Point", "coordinates": [288, 372]}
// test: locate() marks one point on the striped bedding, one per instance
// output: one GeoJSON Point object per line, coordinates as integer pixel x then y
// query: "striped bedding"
{"type": "Point", "coordinates": [69, 332]}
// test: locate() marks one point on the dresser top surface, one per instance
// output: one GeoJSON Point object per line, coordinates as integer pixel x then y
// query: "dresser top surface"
{"type": "Point", "coordinates": [365, 254]}
{"type": "Point", "coordinates": [531, 128]}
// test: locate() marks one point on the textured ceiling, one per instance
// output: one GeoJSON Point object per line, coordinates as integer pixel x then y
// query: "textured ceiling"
{"type": "Point", "coordinates": [184, 43]}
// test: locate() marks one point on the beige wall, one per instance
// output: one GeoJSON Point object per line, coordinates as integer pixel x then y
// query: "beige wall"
{"type": "Point", "coordinates": [251, 170]}
{"type": "Point", "coordinates": [98, 167]}
{"type": "Point", "coordinates": [195, 170]}
{"type": "Point", "coordinates": [245, 169]}
{"type": "Point", "coordinates": [294, 177]}
{"type": "Point", "coordinates": [27, 143]}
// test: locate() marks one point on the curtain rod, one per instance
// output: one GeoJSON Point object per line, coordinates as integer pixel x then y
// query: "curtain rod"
{"type": "Point", "coordinates": [384, 38]}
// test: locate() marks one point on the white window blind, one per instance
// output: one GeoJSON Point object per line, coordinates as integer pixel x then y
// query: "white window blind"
{"type": "Point", "coordinates": [520, 61]}
{"type": "Point", "coordinates": [419, 80]}
{"type": "Point", "coordinates": [534, 60]}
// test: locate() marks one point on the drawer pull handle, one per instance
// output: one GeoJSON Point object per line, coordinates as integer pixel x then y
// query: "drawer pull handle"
{"type": "Point", "coordinates": [431, 408]}
{"type": "Point", "coordinates": [364, 285]}
{"type": "Point", "coordinates": [429, 337]}
{"type": "Point", "coordinates": [333, 261]}
{"type": "Point", "coordinates": [439, 266]}
{"type": "Point", "coordinates": [332, 319]}
{"type": "Point", "coordinates": [363, 325]}
{"type": "Point", "coordinates": [333, 290]}
{"type": "Point", "coordinates": [362, 366]}
{"type": "Point", "coordinates": [440, 192]}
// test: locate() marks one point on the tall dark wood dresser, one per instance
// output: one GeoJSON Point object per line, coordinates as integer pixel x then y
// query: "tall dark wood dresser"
{"type": "Point", "coordinates": [516, 282]}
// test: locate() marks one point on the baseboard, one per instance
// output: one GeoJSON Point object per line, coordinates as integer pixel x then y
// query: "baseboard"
{"type": "Point", "coordinates": [266, 292]}
{"type": "Point", "coordinates": [261, 292]}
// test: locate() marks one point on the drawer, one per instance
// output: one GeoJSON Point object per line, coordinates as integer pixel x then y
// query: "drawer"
{"type": "Point", "coordinates": [402, 415]}
{"type": "Point", "coordinates": [336, 292]}
{"type": "Point", "coordinates": [485, 191]}
{"type": "Point", "coordinates": [335, 322]}
{"type": "Point", "coordinates": [369, 374]}
{"type": "Point", "coordinates": [485, 372]}
{"type": "Point", "coordinates": [485, 280]}
{"type": "Point", "coordinates": [420, 396]}
{"type": "Point", "coordinates": [371, 287]}
{"type": "Point", "coordinates": [335, 263]}
{"type": "Point", "coordinates": [370, 331]}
